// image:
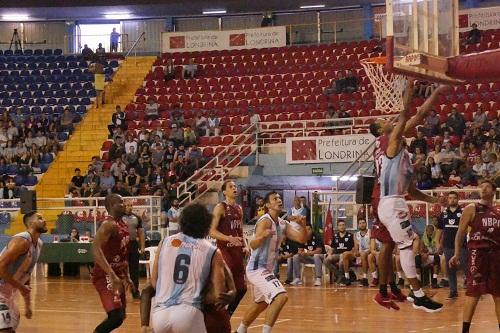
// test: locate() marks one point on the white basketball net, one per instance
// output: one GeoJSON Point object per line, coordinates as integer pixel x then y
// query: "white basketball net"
{"type": "Point", "coordinates": [388, 87]}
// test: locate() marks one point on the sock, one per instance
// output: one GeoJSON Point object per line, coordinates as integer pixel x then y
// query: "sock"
{"type": "Point", "coordinates": [241, 329]}
{"type": "Point", "coordinates": [364, 276]}
{"type": "Point", "coordinates": [346, 275]}
{"type": "Point", "coordinates": [394, 288]}
{"type": "Point", "coordinates": [374, 275]}
{"type": "Point", "coordinates": [383, 289]}
{"type": "Point", "coordinates": [266, 329]}
{"type": "Point", "coordinates": [400, 275]}
{"type": "Point", "coordinates": [434, 276]}
{"type": "Point", "coordinates": [419, 293]}
{"type": "Point", "coordinates": [466, 327]}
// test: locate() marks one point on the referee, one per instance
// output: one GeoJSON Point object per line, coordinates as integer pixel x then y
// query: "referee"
{"type": "Point", "coordinates": [448, 226]}
{"type": "Point", "coordinates": [136, 245]}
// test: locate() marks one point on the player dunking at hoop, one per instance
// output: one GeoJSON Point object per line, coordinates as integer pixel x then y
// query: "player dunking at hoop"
{"type": "Point", "coordinates": [227, 229]}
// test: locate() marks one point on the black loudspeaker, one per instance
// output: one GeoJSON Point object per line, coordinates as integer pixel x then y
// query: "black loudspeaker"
{"type": "Point", "coordinates": [364, 189]}
{"type": "Point", "coordinates": [28, 201]}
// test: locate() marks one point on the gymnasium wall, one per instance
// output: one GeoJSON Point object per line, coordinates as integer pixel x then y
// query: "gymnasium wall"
{"type": "Point", "coordinates": [54, 33]}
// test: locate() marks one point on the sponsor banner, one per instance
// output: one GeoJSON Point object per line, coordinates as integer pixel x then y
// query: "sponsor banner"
{"type": "Point", "coordinates": [190, 41]}
{"type": "Point", "coordinates": [485, 18]}
{"type": "Point", "coordinates": [329, 149]}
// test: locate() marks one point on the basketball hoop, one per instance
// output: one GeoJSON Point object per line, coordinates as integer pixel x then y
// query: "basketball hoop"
{"type": "Point", "coordinates": [388, 87]}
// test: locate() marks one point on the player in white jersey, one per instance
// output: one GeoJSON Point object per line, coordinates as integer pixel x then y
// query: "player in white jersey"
{"type": "Point", "coordinates": [268, 292]}
{"type": "Point", "coordinates": [185, 264]}
{"type": "Point", "coordinates": [396, 181]}
{"type": "Point", "coordinates": [17, 261]}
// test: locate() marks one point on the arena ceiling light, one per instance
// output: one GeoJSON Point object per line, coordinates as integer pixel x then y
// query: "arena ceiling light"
{"type": "Point", "coordinates": [214, 11]}
{"type": "Point", "coordinates": [15, 17]}
{"type": "Point", "coordinates": [118, 16]}
{"type": "Point", "coordinates": [312, 6]}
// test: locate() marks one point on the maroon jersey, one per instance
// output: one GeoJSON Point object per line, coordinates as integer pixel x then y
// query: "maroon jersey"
{"type": "Point", "coordinates": [231, 223]}
{"type": "Point", "coordinates": [485, 228]}
{"type": "Point", "coordinates": [116, 250]}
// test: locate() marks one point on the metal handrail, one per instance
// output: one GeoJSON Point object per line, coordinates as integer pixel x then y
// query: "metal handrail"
{"type": "Point", "coordinates": [135, 43]}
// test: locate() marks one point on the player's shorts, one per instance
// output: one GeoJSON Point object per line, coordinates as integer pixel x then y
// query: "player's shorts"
{"type": "Point", "coordinates": [110, 299]}
{"type": "Point", "coordinates": [9, 313]}
{"type": "Point", "coordinates": [379, 231]}
{"type": "Point", "coordinates": [483, 272]}
{"type": "Point", "coordinates": [265, 285]}
{"type": "Point", "coordinates": [180, 318]}
{"type": "Point", "coordinates": [234, 260]}
{"type": "Point", "coordinates": [395, 216]}
{"type": "Point", "coordinates": [216, 321]}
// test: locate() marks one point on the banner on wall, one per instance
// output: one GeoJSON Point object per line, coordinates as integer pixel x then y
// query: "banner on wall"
{"type": "Point", "coordinates": [329, 149]}
{"type": "Point", "coordinates": [485, 18]}
{"type": "Point", "coordinates": [190, 41]}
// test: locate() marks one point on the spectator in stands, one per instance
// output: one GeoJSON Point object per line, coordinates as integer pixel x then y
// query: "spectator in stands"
{"type": "Point", "coordinates": [341, 253]}
{"type": "Point", "coordinates": [447, 159]}
{"type": "Point", "coordinates": [77, 180]}
{"type": "Point", "coordinates": [455, 123]}
{"type": "Point", "coordinates": [189, 136]}
{"type": "Point", "coordinates": [467, 174]}
{"type": "Point", "coordinates": [474, 36]}
{"type": "Point", "coordinates": [169, 71]}
{"type": "Point", "coordinates": [93, 190]}
{"type": "Point", "coordinates": [418, 157]}
{"type": "Point", "coordinates": [3, 138]}
{"type": "Point", "coordinates": [117, 148]}
{"type": "Point", "coordinates": [419, 142]}
{"type": "Point", "coordinates": [454, 179]}
{"type": "Point", "coordinates": [100, 54]}
{"type": "Point", "coordinates": [118, 169]}
{"type": "Point", "coordinates": [177, 117]}
{"type": "Point", "coordinates": [131, 157]}
{"type": "Point", "coordinates": [87, 53]}
{"type": "Point", "coordinates": [66, 121]}
{"type": "Point", "coordinates": [117, 121]}
{"type": "Point", "coordinates": [495, 164]}
{"type": "Point", "coordinates": [120, 189]}
{"type": "Point", "coordinates": [478, 166]}
{"type": "Point", "coordinates": [350, 82]}
{"type": "Point", "coordinates": [40, 140]}
{"type": "Point", "coordinates": [13, 132]}
{"type": "Point", "coordinates": [285, 256]}
{"type": "Point", "coordinates": [157, 154]}
{"type": "Point", "coordinates": [169, 155]}
{"type": "Point", "coordinates": [107, 182]}
{"type": "Point", "coordinates": [96, 163]}
{"type": "Point", "coordinates": [195, 157]}
{"type": "Point", "coordinates": [435, 170]}
{"type": "Point", "coordinates": [478, 137]}
{"type": "Point", "coordinates": [133, 180]}
{"type": "Point", "coordinates": [17, 117]}
{"type": "Point", "coordinates": [254, 117]}
{"type": "Point", "coordinates": [480, 118]}
{"type": "Point", "coordinates": [143, 169]}
{"type": "Point", "coordinates": [114, 38]}
{"type": "Point", "coordinates": [190, 70]}
{"type": "Point", "coordinates": [473, 153]}
{"type": "Point", "coordinates": [130, 143]}
{"type": "Point", "coordinates": [74, 236]}
{"type": "Point", "coordinates": [424, 181]}
{"type": "Point", "coordinates": [213, 125]}
{"type": "Point", "coordinates": [151, 111]}
{"type": "Point", "coordinates": [176, 135]}
{"type": "Point", "coordinates": [312, 252]}
{"type": "Point", "coordinates": [200, 124]}
{"type": "Point", "coordinates": [9, 190]}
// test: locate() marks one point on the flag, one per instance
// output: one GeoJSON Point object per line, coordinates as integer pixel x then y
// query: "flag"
{"type": "Point", "coordinates": [328, 235]}
{"type": "Point", "coordinates": [303, 150]}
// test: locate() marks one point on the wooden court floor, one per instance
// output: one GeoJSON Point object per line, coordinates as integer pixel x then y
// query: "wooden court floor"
{"type": "Point", "coordinates": [72, 305]}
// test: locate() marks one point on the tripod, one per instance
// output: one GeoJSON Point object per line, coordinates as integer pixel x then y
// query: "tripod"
{"type": "Point", "coordinates": [16, 41]}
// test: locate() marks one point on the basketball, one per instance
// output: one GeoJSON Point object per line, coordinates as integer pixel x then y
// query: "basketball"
{"type": "Point", "coordinates": [201, 168]}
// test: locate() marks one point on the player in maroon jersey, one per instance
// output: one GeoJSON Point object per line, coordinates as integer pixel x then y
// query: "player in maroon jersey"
{"type": "Point", "coordinates": [227, 229]}
{"type": "Point", "coordinates": [483, 262]}
{"type": "Point", "coordinates": [111, 276]}
{"type": "Point", "coordinates": [381, 129]}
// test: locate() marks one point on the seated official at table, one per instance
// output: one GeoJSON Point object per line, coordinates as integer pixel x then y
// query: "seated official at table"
{"type": "Point", "coordinates": [72, 269]}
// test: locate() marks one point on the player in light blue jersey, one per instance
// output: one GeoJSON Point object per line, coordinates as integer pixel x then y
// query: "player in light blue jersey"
{"type": "Point", "coordinates": [396, 181]}
{"type": "Point", "coordinates": [185, 265]}
{"type": "Point", "coordinates": [17, 261]}
{"type": "Point", "coordinates": [268, 291]}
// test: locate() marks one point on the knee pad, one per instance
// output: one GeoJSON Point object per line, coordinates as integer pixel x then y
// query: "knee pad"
{"type": "Point", "coordinates": [408, 262]}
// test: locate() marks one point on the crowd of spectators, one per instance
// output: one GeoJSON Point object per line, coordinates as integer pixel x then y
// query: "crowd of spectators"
{"type": "Point", "coordinates": [456, 152]}
{"type": "Point", "coordinates": [28, 143]}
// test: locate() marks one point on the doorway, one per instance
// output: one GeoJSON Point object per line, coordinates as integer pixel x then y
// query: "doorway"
{"type": "Point", "coordinates": [93, 34]}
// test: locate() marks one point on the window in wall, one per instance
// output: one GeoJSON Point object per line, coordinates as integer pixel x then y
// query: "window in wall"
{"type": "Point", "coordinates": [93, 34]}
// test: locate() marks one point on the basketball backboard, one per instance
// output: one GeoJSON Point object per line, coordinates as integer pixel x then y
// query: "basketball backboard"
{"type": "Point", "coordinates": [421, 34]}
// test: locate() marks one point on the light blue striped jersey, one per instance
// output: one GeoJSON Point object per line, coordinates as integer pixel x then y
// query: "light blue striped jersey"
{"type": "Point", "coordinates": [23, 266]}
{"type": "Point", "coordinates": [363, 241]}
{"type": "Point", "coordinates": [184, 267]}
{"type": "Point", "coordinates": [396, 175]}
{"type": "Point", "coordinates": [265, 255]}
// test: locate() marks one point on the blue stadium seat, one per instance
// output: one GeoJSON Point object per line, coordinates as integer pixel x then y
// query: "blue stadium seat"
{"type": "Point", "coordinates": [8, 52]}
{"type": "Point", "coordinates": [43, 86]}
{"type": "Point", "coordinates": [71, 58]}
{"type": "Point", "coordinates": [85, 101]}
{"type": "Point", "coordinates": [41, 65]}
{"type": "Point", "coordinates": [58, 52]}
{"type": "Point", "coordinates": [6, 102]}
{"type": "Point", "coordinates": [17, 102]}
{"type": "Point", "coordinates": [28, 52]}
{"type": "Point", "coordinates": [38, 94]}
{"type": "Point", "coordinates": [12, 169]}
{"type": "Point", "coordinates": [47, 109]}
{"type": "Point", "coordinates": [81, 109]}
{"type": "Point", "coordinates": [15, 94]}
{"type": "Point", "coordinates": [114, 63]}
{"type": "Point", "coordinates": [40, 102]}
{"type": "Point", "coordinates": [3, 169]}
{"type": "Point", "coordinates": [19, 180]}
{"type": "Point", "coordinates": [18, 52]}
{"type": "Point", "coordinates": [62, 101]}
{"type": "Point", "coordinates": [30, 181]}
{"type": "Point", "coordinates": [74, 101]}
{"type": "Point", "coordinates": [36, 110]}
{"type": "Point", "coordinates": [62, 65]}
{"type": "Point", "coordinates": [58, 109]}
{"type": "Point", "coordinates": [22, 86]}
{"type": "Point", "coordinates": [44, 167]}
{"type": "Point", "coordinates": [51, 101]}
{"type": "Point", "coordinates": [4, 94]}
{"type": "Point", "coordinates": [47, 52]}
{"type": "Point", "coordinates": [73, 64]}
{"type": "Point", "coordinates": [66, 72]}
{"type": "Point", "coordinates": [77, 71]}
{"type": "Point", "coordinates": [29, 101]}
{"type": "Point", "coordinates": [11, 66]}
{"type": "Point", "coordinates": [62, 136]}
{"type": "Point", "coordinates": [60, 93]}
{"type": "Point", "coordinates": [38, 52]}
{"type": "Point", "coordinates": [56, 72]}
{"type": "Point", "coordinates": [71, 93]}
{"type": "Point", "coordinates": [32, 66]}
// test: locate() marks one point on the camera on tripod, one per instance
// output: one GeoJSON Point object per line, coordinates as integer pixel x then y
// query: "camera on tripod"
{"type": "Point", "coordinates": [16, 41]}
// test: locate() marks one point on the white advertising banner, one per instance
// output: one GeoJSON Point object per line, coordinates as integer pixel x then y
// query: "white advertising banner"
{"type": "Point", "coordinates": [485, 18]}
{"type": "Point", "coordinates": [190, 41]}
{"type": "Point", "coordinates": [329, 149]}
